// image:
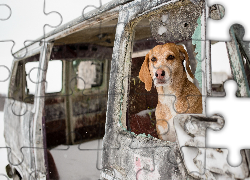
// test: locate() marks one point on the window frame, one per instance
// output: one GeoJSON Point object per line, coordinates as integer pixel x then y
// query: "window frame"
{"type": "Point", "coordinates": [123, 55]}
{"type": "Point", "coordinates": [51, 93]}
{"type": "Point", "coordinates": [12, 84]}
{"type": "Point", "coordinates": [91, 59]}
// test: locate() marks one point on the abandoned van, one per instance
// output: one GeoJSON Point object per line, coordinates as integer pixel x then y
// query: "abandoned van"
{"type": "Point", "coordinates": [85, 101]}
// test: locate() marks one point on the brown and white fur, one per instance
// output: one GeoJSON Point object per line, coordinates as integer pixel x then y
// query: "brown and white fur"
{"type": "Point", "coordinates": [176, 94]}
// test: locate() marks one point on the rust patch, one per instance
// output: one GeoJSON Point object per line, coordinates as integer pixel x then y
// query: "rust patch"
{"type": "Point", "coordinates": [90, 127]}
{"type": "Point", "coordinates": [54, 100]}
{"type": "Point", "coordinates": [139, 100]}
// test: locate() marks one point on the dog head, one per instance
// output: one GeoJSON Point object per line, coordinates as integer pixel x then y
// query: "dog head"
{"type": "Point", "coordinates": [163, 63]}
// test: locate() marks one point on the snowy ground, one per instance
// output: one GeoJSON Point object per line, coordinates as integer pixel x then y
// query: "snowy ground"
{"type": "Point", "coordinates": [75, 163]}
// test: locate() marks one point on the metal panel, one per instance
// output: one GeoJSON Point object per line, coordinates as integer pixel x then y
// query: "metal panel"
{"type": "Point", "coordinates": [236, 63]}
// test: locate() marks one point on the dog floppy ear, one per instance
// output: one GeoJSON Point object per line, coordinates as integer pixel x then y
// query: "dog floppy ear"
{"type": "Point", "coordinates": [144, 74]}
{"type": "Point", "coordinates": [184, 52]}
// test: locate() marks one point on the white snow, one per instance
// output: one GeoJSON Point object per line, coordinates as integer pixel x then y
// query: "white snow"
{"type": "Point", "coordinates": [73, 163]}
{"type": "Point", "coordinates": [78, 163]}
{"type": "Point", "coordinates": [145, 112]}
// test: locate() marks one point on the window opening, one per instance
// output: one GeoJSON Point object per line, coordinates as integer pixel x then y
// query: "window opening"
{"type": "Point", "coordinates": [54, 76]}
{"type": "Point", "coordinates": [154, 30]}
{"type": "Point", "coordinates": [26, 79]}
{"type": "Point", "coordinates": [220, 66]}
{"type": "Point", "coordinates": [90, 73]}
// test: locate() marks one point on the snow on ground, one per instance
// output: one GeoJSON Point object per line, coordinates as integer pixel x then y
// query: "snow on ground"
{"type": "Point", "coordinates": [78, 163]}
{"type": "Point", "coordinates": [72, 163]}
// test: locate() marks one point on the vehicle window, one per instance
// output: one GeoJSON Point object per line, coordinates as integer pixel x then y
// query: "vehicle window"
{"type": "Point", "coordinates": [54, 76]}
{"type": "Point", "coordinates": [31, 70]}
{"type": "Point", "coordinates": [221, 70]}
{"type": "Point", "coordinates": [25, 79]}
{"type": "Point", "coordinates": [156, 69]}
{"type": "Point", "coordinates": [76, 116]}
{"type": "Point", "coordinates": [89, 73]}
{"type": "Point", "coordinates": [85, 75]}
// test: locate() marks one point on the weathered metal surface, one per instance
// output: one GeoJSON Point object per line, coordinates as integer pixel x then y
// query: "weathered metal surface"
{"type": "Point", "coordinates": [38, 124]}
{"type": "Point", "coordinates": [164, 28]}
{"type": "Point", "coordinates": [83, 50]}
{"type": "Point", "coordinates": [216, 12]}
{"type": "Point", "coordinates": [127, 155]}
{"type": "Point", "coordinates": [195, 127]}
{"type": "Point", "coordinates": [118, 142]}
{"type": "Point", "coordinates": [17, 133]}
{"type": "Point", "coordinates": [18, 117]}
{"type": "Point", "coordinates": [236, 63]}
{"type": "Point", "coordinates": [191, 132]}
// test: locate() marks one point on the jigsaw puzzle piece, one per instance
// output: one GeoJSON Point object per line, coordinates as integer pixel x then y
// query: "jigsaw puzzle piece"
{"type": "Point", "coordinates": [225, 137]}
{"type": "Point", "coordinates": [5, 73]}
{"type": "Point", "coordinates": [5, 12]}
{"type": "Point", "coordinates": [239, 54]}
{"type": "Point", "coordinates": [216, 12]}
{"type": "Point", "coordinates": [191, 138]}
{"type": "Point", "coordinates": [87, 151]}
{"type": "Point", "coordinates": [141, 103]}
{"type": "Point", "coordinates": [194, 159]}
{"type": "Point", "coordinates": [160, 163]}
{"type": "Point", "coordinates": [233, 12]}
{"type": "Point", "coordinates": [217, 162]}
{"type": "Point", "coordinates": [19, 160]}
{"type": "Point", "coordinates": [145, 168]}
{"type": "Point", "coordinates": [199, 160]}
{"type": "Point", "coordinates": [209, 163]}
{"type": "Point", "coordinates": [45, 19]}
{"type": "Point", "coordinates": [229, 60]}
{"type": "Point", "coordinates": [191, 129]}
{"type": "Point", "coordinates": [87, 164]}
{"type": "Point", "coordinates": [81, 8]}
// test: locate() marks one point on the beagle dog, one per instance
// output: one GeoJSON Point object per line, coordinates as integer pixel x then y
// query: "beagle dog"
{"type": "Point", "coordinates": [176, 94]}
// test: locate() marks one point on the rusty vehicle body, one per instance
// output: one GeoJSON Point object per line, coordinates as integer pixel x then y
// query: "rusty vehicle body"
{"type": "Point", "coordinates": [114, 41]}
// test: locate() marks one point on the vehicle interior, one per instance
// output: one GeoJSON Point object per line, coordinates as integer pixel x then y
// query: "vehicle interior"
{"type": "Point", "coordinates": [142, 103]}
{"type": "Point", "coordinates": [75, 116]}
{"type": "Point", "coordinates": [76, 94]}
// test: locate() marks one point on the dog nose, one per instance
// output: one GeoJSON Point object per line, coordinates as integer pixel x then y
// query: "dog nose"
{"type": "Point", "coordinates": [160, 74]}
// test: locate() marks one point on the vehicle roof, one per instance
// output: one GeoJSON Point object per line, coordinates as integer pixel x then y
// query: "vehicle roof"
{"type": "Point", "coordinates": [105, 7]}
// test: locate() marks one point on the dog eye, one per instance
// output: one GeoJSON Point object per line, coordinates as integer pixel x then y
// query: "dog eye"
{"type": "Point", "coordinates": [170, 57]}
{"type": "Point", "coordinates": [153, 59]}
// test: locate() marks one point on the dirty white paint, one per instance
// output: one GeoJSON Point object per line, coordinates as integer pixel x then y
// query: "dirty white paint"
{"type": "Point", "coordinates": [162, 30]}
{"type": "Point", "coordinates": [87, 74]}
{"type": "Point", "coordinates": [149, 172]}
{"type": "Point", "coordinates": [190, 133]}
{"type": "Point", "coordinates": [164, 17]}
